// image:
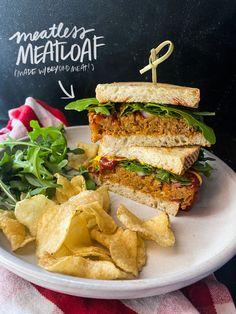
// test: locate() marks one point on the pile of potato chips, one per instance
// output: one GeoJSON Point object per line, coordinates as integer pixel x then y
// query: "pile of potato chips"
{"type": "Point", "coordinates": [75, 235]}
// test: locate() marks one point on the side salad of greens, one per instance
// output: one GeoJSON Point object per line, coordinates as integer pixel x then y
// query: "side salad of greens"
{"type": "Point", "coordinates": [29, 166]}
{"type": "Point", "coordinates": [193, 117]}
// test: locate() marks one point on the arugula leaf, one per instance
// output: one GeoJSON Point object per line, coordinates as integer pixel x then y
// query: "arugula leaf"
{"type": "Point", "coordinates": [6, 203]}
{"type": "Point", "coordinates": [7, 191]}
{"type": "Point", "coordinates": [127, 109]}
{"type": "Point", "coordinates": [5, 164]}
{"type": "Point", "coordinates": [166, 176]}
{"type": "Point", "coordinates": [133, 165]}
{"type": "Point", "coordinates": [91, 104]}
{"type": "Point", "coordinates": [11, 143]}
{"type": "Point", "coordinates": [82, 104]}
{"type": "Point", "coordinates": [103, 110]}
{"type": "Point", "coordinates": [162, 175]}
{"type": "Point", "coordinates": [76, 151]}
{"type": "Point", "coordinates": [6, 158]}
{"type": "Point", "coordinates": [90, 184]}
{"type": "Point", "coordinates": [159, 174]}
{"type": "Point", "coordinates": [202, 166]}
{"type": "Point", "coordinates": [202, 157]}
{"type": "Point", "coordinates": [29, 166]}
{"type": "Point", "coordinates": [19, 185]}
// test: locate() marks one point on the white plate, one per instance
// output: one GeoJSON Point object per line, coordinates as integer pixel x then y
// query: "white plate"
{"type": "Point", "coordinates": [206, 239]}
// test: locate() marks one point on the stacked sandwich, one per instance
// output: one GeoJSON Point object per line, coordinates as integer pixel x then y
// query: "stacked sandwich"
{"type": "Point", "coordinates": [150, 137]}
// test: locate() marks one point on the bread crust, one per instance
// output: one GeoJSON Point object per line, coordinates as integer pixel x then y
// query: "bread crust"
{"type": "Point", "coordinates": [148, 92]}
{"type": "Point", "coordinates": [176, 159]}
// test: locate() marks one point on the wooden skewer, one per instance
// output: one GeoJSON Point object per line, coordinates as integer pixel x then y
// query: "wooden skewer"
{"type": "Point", "coordinates": [154, 59]}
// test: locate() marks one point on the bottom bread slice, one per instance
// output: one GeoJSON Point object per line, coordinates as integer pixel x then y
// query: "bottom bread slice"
{"type": "Point", "coordinates": [170, 207]}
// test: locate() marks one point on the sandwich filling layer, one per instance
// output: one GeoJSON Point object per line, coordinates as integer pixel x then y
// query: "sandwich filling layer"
{"type": "Point", "coordinates": [158, 183]}
{"type": "Point", "coordinates": [141, 124]}
{"type": "Point", "coordinates": [144, 118]}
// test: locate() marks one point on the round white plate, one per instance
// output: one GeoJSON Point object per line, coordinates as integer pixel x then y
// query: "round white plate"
{"type": "Point", "coordinates": [205, 240]}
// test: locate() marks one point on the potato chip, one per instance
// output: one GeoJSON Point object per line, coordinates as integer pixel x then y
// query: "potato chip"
{"type": "Point", "coordinates": [103, 192]}
{"type": "Point", "coordinates": [53, 228]}
{"type": "Point", "coordinates": [57, 222]}
{"type": "Point", "coordinates": [90, 151]}
{"type": "Point", "coordinates": [122, 246]}
{"type": "Point", "coordinates": [66, 224]}
{"type": "Point", "coordinates": [7, 213]}
{"type": "Point", "coordinates": [29, 211]}
{"type": "Point", "coordinates": [63, 251]}
{"type": "Point", "coordinates": [68, 188]}
{"type": "Point", "coordinates": [91, 221]}
{"type": "Point", "coordinates": [86, 197]}
{"type": "Point", "coordinates": [123, 250]}
{"type": "Point", "coordinates": [157, 229]}
{"type": "Point", "coordinates": [94, 253]}
{"type": "Point", "coordinates": [89, 218]}
{"type": "Point", "coordinates": [104, 221]}
{"type": "Point", "coordinates": [79, 183]}
{"type": "Point", "coordinates": [76, 161]}
{"type": "Point", "coordinates": [82, 267]}
{"type": "Point", "coordinates": [102, 238]}
{"type": "Point", "coordinates": [141, 253]}
{"type": "Point", "coordinates": [78, 234]}
{"type": "Point", "coordinates": [160, 230]}
{"type": "Point", "coordinates": [15, 232]}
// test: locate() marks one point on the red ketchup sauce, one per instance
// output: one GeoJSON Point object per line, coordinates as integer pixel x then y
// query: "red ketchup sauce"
{"type": "Point", "coordinates": [106, 164]}
{"type": "Point", "coordinates": [195, 184]}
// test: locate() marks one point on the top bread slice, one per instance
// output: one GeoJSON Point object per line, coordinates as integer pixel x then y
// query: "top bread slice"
{"type": "Point", "coordinates": [148, 92]}
{"type": "Point", "coordinates": [175, 159]}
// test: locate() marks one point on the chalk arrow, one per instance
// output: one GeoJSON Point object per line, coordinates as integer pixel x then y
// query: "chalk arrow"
{"type": "Point", "coordinates": [68, 96]}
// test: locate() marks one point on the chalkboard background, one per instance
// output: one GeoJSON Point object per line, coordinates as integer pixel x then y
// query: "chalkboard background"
{"type": "Point", "coordinates": [203, 33]}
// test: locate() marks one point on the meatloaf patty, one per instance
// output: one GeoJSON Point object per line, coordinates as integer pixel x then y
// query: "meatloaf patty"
{"type": "Point", "coordinates": [184, 194]}
{"type": "Point", "coordinates": [137, 124]}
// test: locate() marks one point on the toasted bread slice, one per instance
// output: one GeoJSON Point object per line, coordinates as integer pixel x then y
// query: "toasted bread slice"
{"type": "Point", "coordinates": [170, 207]}
{"type": "Point", "coordinates": [145, 92]}
{"type": "Point", "coordinates": [176, 159]}
{"type": "Point", "coordinates": [157, 141]}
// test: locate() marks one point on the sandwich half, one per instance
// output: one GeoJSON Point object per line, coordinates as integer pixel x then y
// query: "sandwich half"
{"type": "Point", "coordinates": [146, 114]}
{"type": "Point", "coordinates": [159, 177]}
